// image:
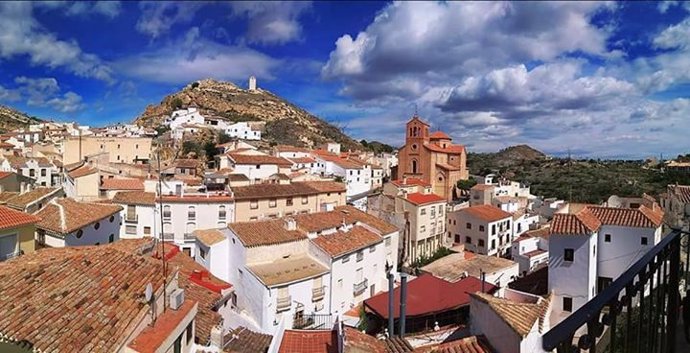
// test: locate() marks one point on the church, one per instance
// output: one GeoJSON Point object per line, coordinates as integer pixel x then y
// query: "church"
{"type": "Point", "coordinates": [432, 158]}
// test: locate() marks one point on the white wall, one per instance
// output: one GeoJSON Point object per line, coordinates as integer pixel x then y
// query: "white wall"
{"type": "Point", "coordinates": [147, 217]}
{"type": "Point", "coordinates": [458, 225]}
{"type": "Point", "coordinates": [90, 235]}
{"type": "Point", "coordinates": [252, 172]}
{"type": "Point", "coordinates": [206, 218]}
{"type": "Point", "coordinates": [243, 131]}
{"type": "Point", "coordinates": [624, 249]}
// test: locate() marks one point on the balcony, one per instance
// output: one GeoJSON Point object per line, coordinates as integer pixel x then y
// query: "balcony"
{"type": "Point", "coordinates": [312, 321]}
{"type": "Point", "coordinates": [283, 304]}
{"type": "Point", "coordinates": [638, 312]}
{"type": "Point", "coordinates": [168, 236]}
{"type": "Point", "coordinates": [359, 288]}
{"type": "Point", "coordinates": [131, 218]}
{"type": "Point", "coordinates": [318, 294]}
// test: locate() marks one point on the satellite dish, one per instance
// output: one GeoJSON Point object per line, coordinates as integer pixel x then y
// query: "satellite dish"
{"type": "Point", "coordinates": [614, 201]}
{"type": "Point", "coordinates": [148, 293]}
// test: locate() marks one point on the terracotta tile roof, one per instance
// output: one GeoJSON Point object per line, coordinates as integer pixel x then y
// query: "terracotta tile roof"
{"type": "Point", "coordinates": [151, 339]}
{"type": "Point", "coordinates": [82, 171]}
{"type": "Point", "coordinates": [344, 163]}
{"type": "Point", "coordinates": [208, 198]}
{"type": "Point", "coordinates": [302, 160]}
{"type": "Point", "coordinates": [10, 218]}
{"type": "Point", "coordinates": [309, 341]}
{"type": "Point", "coordinates": [472, 344]}
{"type": "Point", "coordinates": [682, 192]}
{"type": "Point", "coordinates": [453, 267]}
{"type": "Point", "coordinates": [423, 199]}
{"type": "Point", "coordinates": [209, 237]}
{"type": "Point", "coordinates": [487, 213]}
{"type": "Point", "coordinates": [642, 217]}
{"type": "Point", "coordinates": [237, 177]}
{"type": "Point", "coordinates": [358, 342]}
{"type": "Point", "coordinates": [314, 222]}
{"type": "Point", "coordinates": [287, 148]}
{"type": "Point", "coordinates": [451, 149]}
{"type": "Point", "coordinates": [64, 216]}
{"type": "Point", "coordinates": [4, 175]}
{"type": "Point", "coordinates": [429, 295]}
{"type": "Point", "coordinates": [439, 135]}
{"type": "Point", "coordinates": [287, 270]}
{"type": "Point", "coordinates": [244, 340]}
{"type": "Point", "coordinates": [483, 187]}
{"type": "Point", "coordinates": [303, 188]}
{"type": "Point", "coordinates": [534, 253]}
{"type": "Point", "coordinates": [269, 232]}
{"type": "Point", "coordinates": [135, 198]}
{"type": "Point", "coordinates": [122, 184]}
{"type": "Point", "coordinates": [7, 195]}
{"type": "Point", "coordinates": [186, 163]}
{"type": "Point", "coordinates": [45, 290]}
{"type": "Point", "coordinates": [258, 159]}
{"type": "Point", "coordinates": [520, 317]}
{"type": "Point", "coordinates": [340, 243]}
{"type": "Point", "coordinates": [23, 200]}
{"type": "Point", "coordinates": [6, 145]}
{"type": "Point", "coordinates": [410, 182]}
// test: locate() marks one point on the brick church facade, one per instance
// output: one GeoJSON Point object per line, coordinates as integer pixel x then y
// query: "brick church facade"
{"type": "Point", "coordinates": [432, 157]}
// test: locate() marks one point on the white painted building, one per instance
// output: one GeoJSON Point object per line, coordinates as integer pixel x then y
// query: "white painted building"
{"type": "Point", "coordinates": [65, 222]}
{"type": "Point", "coordinates": [39, 168]}
{"type": "Point", "coordinates": [184, 116]}
{"type": "Point", "coordinates": [589, 247]}
{"type": "Point", "coordinates": [356, 174]}
{"type": "Point", "coordinates": [483, 229]}
{"type": "Point", "coordinates": [243, 130]}
{"type": "Point", "coordinates": [531, 249]}
{"type": "Point", "coordinates": [257, 168]}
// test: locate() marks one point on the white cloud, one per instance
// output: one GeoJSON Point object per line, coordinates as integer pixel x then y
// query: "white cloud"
{"type": "Point", "coordinates": [22, 35]}
{"type": "Point", "coordinates": [69, 102]}
{"type": "Point", "coordinates": [272, 22]}
{"type": "Point", "coordinates": [157, 17]}
{"type": "Point", "coordinates": [109, 9]}
{"type": "Point", "coordinates": [193, 58]}
{"type": "Point", "coordinates": [42, 92]}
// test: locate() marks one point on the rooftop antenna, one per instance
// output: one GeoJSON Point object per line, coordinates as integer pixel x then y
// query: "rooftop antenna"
{"type": "Point", "coordinates": [160, 210]}
{"type": "Point", "coordinates": [570, 185]}
{"type": "Point", "coordinates": [148, 296]}
{"type": "Point", "coordinates": [415, 109]}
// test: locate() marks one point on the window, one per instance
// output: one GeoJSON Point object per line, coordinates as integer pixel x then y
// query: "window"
{"type": "Point", "coordinates": [372, 249]}
{"type": "Point", "coordinates": [131, 229]}
{"type": "Point", "coordinates": [423, 211]}
{"type": "Point", "coordinates": [288, 201]}
{"type": "Point", "coordinates": [191, 213]}
{"type": "Point", "coordinates": [360, 256]}
{"type": "Point", "coordinates": [422, 229]}
{"type": "Point", "coordinates": [166, 212]}
{"type": "Point", "coordinates": [607, 238]}
{"type": "Point", "coordinates": [493, 244]}
{"type": "Point", "coordinates": [221, 212]}
{"type": "Point", "coordinates": [97, 225]}
{"type": "Point", "coordinates": [481, 243]}
{"type": "Point", "coordinates": [567, 304]}
{"type": "Point", "coordinates": [468, 240]}
{"type": "Point", "coordinates": [112, 218]}
{"type": "Point", "coordinates": [305, 200]}
{"type": "Point", "coordinates": [43, 172]}
{"type": "Point", "coordinates": [594, 250]}
{"type": "Point", "coordinates": [32, 172]}
{"type": "Point", "coordinates": [111, 238]}
{"type": "Point", "coordinates": [80, 233]}
{"type": "Point", "coordinates": [493, 229]}
{"type": "Point", "coordinates": [440, 210]}
{"type": "Point", "coordinates": [468, 225]}
{"type": "Point", "coordinates": [433, 212]}
{"type": "Point", "coordinates": [258, 166]}
{"type": "Point", "coordinates": [147, 230]}
{"type": "Point", "coordinates": [481, 228]}
{"type": "Point", "coordinates": [643, 240]}
{"type": "Point", "coordinates": [388, 241]}
{"type": "Point", "coordinates": [177, 346]}
{"type": "Point", "coordinates": [272, 203]}
{"type": "Point", "coordinates": [568, 254]}
{"type": "Point", "coordinates": [202, 253]}
{"type": "Point", "coordinates": [346, 259]}
{"type": "Point", "coordinates": [253, 204]}
{"type": "Point", "coordinates": [190, 332]}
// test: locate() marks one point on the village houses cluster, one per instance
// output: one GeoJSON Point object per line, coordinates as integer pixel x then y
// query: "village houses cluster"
{"type": "Point", "coordinates": [273, 248]}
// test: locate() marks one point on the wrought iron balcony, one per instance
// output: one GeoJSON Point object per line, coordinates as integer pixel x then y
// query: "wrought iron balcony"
{"type": "Point", "coordinates": [312, 321]}
{"type": "Point", "coordinates": [318, 294]}
{"type": "Point", "coordinates": [283, 304]}
{"type": "Point", "coordinates": [638, 312]}
{"type": "Point", "coordinates": [359, 288]}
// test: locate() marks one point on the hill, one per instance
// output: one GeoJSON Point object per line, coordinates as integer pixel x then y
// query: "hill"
{"type": "Point", "coordinates": [485, 163]}
{"type": "Point", "coordinates": [286, 123]}
{"type": "Point", "coordinates": [11, 119]}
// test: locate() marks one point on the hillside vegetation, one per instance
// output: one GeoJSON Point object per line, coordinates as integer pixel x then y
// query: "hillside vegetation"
{"type": "Point", "coordinates": [591, 181]}
{"type": "Point", "coordinates": [11, 119]}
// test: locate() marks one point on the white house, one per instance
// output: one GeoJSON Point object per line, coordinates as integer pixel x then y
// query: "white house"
{"type": "Point", "coordinates": [356, 174]}
{"type": "Point", "coordinates": [589, 247]}
{"type": "Point", "coordinates": [140, 214]}
{"type": "Point", "coordinates": [243, 130]}
{"type": "Point", "coordinates": [65, 222]}
{"type": "Point", "coordinates": [184, 116]}
{"type": "Point", "coordinates": [257, 168]}
{"type": "Point", "coordinates": [513, 323]}
{"type": "Point", "coordinates": [38, 168]}
{"type": "Point", "coordinates": [530, 249]}
{"type": "Point", "coordinates": [484, 229]}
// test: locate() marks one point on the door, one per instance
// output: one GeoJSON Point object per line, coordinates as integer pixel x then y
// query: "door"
{"type": "Point", "coordinates": [8, 246]}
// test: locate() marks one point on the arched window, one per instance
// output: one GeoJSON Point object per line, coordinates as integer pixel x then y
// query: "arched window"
{"type": "Point", "coordinates": [80, 233]}
{"type": "Point", "coordinates": [221, 212]}
{"type": "Point", "coordinates": [414, 166]}
{"type": "Point", "coordinates": [97, 225]}
{"type": "Point", "coordinates": [191, 213]}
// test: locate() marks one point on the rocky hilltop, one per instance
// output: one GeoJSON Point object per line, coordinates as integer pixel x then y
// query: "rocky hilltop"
{"type": "Point", "coordinates": [286, 123]}
{"type": "Point", "coordinates": [11, 119]}
{"type": "Point", "coordinates": [520, 153]}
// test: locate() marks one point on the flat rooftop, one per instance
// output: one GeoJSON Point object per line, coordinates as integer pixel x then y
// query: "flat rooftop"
{"type": "Point", "coordinates": [287, 270]}
{"type": "Point", "coordinates": [453, 267]}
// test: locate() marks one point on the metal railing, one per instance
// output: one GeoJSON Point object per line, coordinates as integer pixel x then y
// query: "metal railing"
{"type": "Point", "coordinates": [359, 288]}
{"type": "Point", "coordinates": [168, 236]}
{"type": "Point", "coordinates": [312, 321]}
{"type": "Point", "coordinates": [283, 304]}
{"type": "Point", "coordinates": [638, 312]}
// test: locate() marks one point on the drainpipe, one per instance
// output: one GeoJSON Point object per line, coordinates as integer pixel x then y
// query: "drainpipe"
{"type": "Point", "coordinates": [391, 304]}
{"type": "Point", "coordinates": [403, 300]}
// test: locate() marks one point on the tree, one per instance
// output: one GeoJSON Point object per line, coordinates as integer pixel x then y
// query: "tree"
{"type": "Point", "coordinates": [195, 84]}
{"type": "Point", "coordinates": [191, 146]}
{"type": "Point", "coordinates": [364, 143]}
{"type": "Point", "coordinates": [466, 184]}
{"type": "Point", "coordinates": [210, 150]}
{"type": "Point", "coordinates": [176, 103]}
{"type": "Point", "coordinates": [223, 138]}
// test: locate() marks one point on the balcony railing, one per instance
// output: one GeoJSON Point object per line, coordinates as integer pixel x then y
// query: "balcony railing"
{"type": "Point", "coordinates": [168, 236]}
{"type": "Point", "coordinates": [312, 322]}
{"type": "Point", "coordinates": [359, 288]}
{"type": "Point", "coordinates": [129, 218]}
{"type": "Point", "coordinates": [317, 294]}
{"type": "Point", "coordinates": [283, 304]}
{"type": "Point", "coordinates": [638, 312]}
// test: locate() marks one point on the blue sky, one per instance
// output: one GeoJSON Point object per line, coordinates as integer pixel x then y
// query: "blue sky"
{"type": "Point", "coordinates": [604, 79]}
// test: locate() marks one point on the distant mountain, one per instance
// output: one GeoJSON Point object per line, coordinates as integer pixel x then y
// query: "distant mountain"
{"type": "Point", "coordinates": [286, 123]}
{"type": "Point", "coordinates": [519, 153]}
{"type": "Point", "coordinates": [11, 119]}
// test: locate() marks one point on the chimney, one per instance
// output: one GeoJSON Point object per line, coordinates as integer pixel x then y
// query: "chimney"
{"type": "Point", "coordinates": [290, 223]}
{"type": "Point", "coordinates": [403, 300]}
{"type": "Point", "coordinates": [482, 276]}
{"type": "Point", "coordinates": [391, 304]}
